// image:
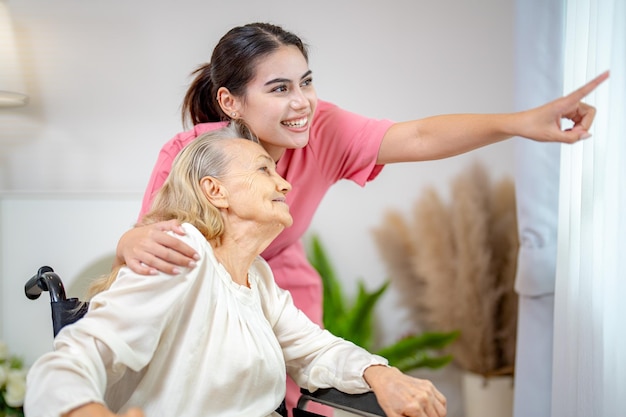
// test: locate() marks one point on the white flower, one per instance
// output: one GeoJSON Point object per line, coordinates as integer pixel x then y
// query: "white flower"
{"type": "Point", "coordinates": [16, 388]}
{"type": "Point", "coordinates": [4, 351]}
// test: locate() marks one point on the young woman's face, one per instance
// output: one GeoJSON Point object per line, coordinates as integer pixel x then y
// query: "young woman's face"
{"type": "Point", "coordinates": [256, 193]}
{"type": "Point", "coordinates": [280, 101]}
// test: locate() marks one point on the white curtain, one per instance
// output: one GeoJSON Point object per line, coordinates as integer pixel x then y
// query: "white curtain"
{"type": "Point", "coordinates": [539, 79]}
{"type": "Point", "coordinates": [589, 361]}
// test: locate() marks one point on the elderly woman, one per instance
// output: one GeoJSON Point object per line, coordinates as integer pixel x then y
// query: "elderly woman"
{"type": "Point", "coordinates": [217, 339]}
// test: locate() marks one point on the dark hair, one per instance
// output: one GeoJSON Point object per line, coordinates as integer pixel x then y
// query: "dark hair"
{"type": "Point", "coordinates": [233, 66]}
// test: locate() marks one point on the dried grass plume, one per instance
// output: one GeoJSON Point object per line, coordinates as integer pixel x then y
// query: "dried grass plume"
{"type": "Point", "coordinates": [454, 265]}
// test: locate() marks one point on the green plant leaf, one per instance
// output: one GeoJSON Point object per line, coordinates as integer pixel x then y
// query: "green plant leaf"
{"type": "Point", "coordinates": [407, 346]}
{"type": "Point", "coordinates": [333, 304]}
{"type": "Point", "coordinates": [360, 317]}
{"type": "Point", "coordinates": [354, 321]}
{"type": "Point", "coordinates": [16, 363]}
{"type": "Point", "coordinates": [422, 361]}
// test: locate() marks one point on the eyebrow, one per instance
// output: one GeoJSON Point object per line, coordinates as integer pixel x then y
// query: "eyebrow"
{"type": "Point", "coordinates": [286, 80]}
{"type": "Point", "coordinates": [268, 159]}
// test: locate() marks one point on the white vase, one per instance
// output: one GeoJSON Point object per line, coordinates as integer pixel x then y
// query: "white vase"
{"type": "Point", "coordinates": [487, 396]}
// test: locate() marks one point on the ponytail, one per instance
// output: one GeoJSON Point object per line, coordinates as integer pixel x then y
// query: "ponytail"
{"type": "Point", "coordinates": [200, 102]}
{"type": "Point", "coordinates": [233, 66]}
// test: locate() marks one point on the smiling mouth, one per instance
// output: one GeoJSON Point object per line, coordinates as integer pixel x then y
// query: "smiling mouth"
{"type": "Point", "coordinates": [296, 123]}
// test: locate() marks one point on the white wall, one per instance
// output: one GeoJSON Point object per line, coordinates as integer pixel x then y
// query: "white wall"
{"type": "Point", "coordinates": [106, 80]}
{"type": "Point", "coordinates": [74, 233]}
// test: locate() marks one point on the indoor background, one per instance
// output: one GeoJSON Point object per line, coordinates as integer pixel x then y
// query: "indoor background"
{"type": "Point", "coordinates": [105, 82]}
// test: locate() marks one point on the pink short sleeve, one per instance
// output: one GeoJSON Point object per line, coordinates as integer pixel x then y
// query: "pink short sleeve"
{"type": "Point", "coordinates": [342, 145]}
{"type": "Point", "coordinates": [345, 145]}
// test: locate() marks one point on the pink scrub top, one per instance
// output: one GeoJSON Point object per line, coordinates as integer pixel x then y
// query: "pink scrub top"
{"type": "Point", "coordinates": [342, 145]}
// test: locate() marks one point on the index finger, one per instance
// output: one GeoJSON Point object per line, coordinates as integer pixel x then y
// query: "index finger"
{"type": "Point", "coordinates": [589, 87]}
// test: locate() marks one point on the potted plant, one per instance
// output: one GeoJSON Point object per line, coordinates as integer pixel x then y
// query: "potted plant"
{"type": "Point", "coordinates": [455, 266]}
{"type": "Point", "coordinates": [353, 320]}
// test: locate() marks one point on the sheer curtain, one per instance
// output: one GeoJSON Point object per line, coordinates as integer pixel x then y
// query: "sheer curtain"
{"type": "Point", "coordinates": [589, 362]}
{"type": "Point", "coordinates": [539, 61]}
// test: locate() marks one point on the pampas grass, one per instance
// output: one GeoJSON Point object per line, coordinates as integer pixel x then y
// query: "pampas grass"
{"type": "Point", "coordinates": [454, 266]}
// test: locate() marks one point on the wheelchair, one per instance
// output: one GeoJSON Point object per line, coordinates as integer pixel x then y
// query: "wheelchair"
{"type": "Point", "coordinates": [66, 311]}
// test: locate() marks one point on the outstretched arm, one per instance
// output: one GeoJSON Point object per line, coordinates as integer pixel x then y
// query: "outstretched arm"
{"type": "Point", "coordinates": [449, 135]}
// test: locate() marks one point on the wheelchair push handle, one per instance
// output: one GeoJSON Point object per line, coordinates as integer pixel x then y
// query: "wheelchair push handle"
{"type": "Point", "coordinates": [45, 280]}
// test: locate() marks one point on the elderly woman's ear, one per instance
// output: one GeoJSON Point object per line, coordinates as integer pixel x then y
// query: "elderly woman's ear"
{"type": "Point", "coordinates": [214, 192]}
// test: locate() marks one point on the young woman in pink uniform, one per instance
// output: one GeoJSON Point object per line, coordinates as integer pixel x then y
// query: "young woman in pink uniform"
{"type": "Point", "coordinates": [259, 75]}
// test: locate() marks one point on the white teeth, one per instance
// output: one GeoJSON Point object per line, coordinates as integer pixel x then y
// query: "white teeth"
{"type": "Point", "coordinates": [296, 123]}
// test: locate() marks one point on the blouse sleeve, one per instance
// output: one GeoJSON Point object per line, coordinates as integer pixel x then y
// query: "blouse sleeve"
{"type": "Point", "coordinates": [120, 331]}
{"type": "Point", "coordinates": [314, 357]}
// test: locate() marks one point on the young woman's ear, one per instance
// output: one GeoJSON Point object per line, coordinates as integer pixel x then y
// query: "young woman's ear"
{"type": "Point", "coordinates": [228, 103]}
{"type": "Point", "coordinates": [214, 192]}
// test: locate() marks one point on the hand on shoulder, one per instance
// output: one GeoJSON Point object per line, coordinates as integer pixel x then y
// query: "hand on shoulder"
{"type": "Point", "coordinates": [150, 249]}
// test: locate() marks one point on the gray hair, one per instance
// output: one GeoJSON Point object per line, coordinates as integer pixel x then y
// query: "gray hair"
{"type": "Point", "coordinates": [181, 196]}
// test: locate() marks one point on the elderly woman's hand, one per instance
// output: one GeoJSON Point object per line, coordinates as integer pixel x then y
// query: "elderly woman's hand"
{"type": "Point", "coordinates": [402, 395]}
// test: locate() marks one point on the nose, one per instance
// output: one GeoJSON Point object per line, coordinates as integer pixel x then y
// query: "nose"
{"type": "Point", "coordinates": [282, 184]}
{"type": "Point", "coordinates": [298, 99]}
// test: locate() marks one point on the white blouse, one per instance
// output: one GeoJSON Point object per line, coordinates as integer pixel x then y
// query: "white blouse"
{"type": "Point", "coordinates": [194, 344]}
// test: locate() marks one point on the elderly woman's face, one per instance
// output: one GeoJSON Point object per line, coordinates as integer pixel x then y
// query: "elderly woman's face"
{"type": "Point", "coordinates": [256, 192]}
